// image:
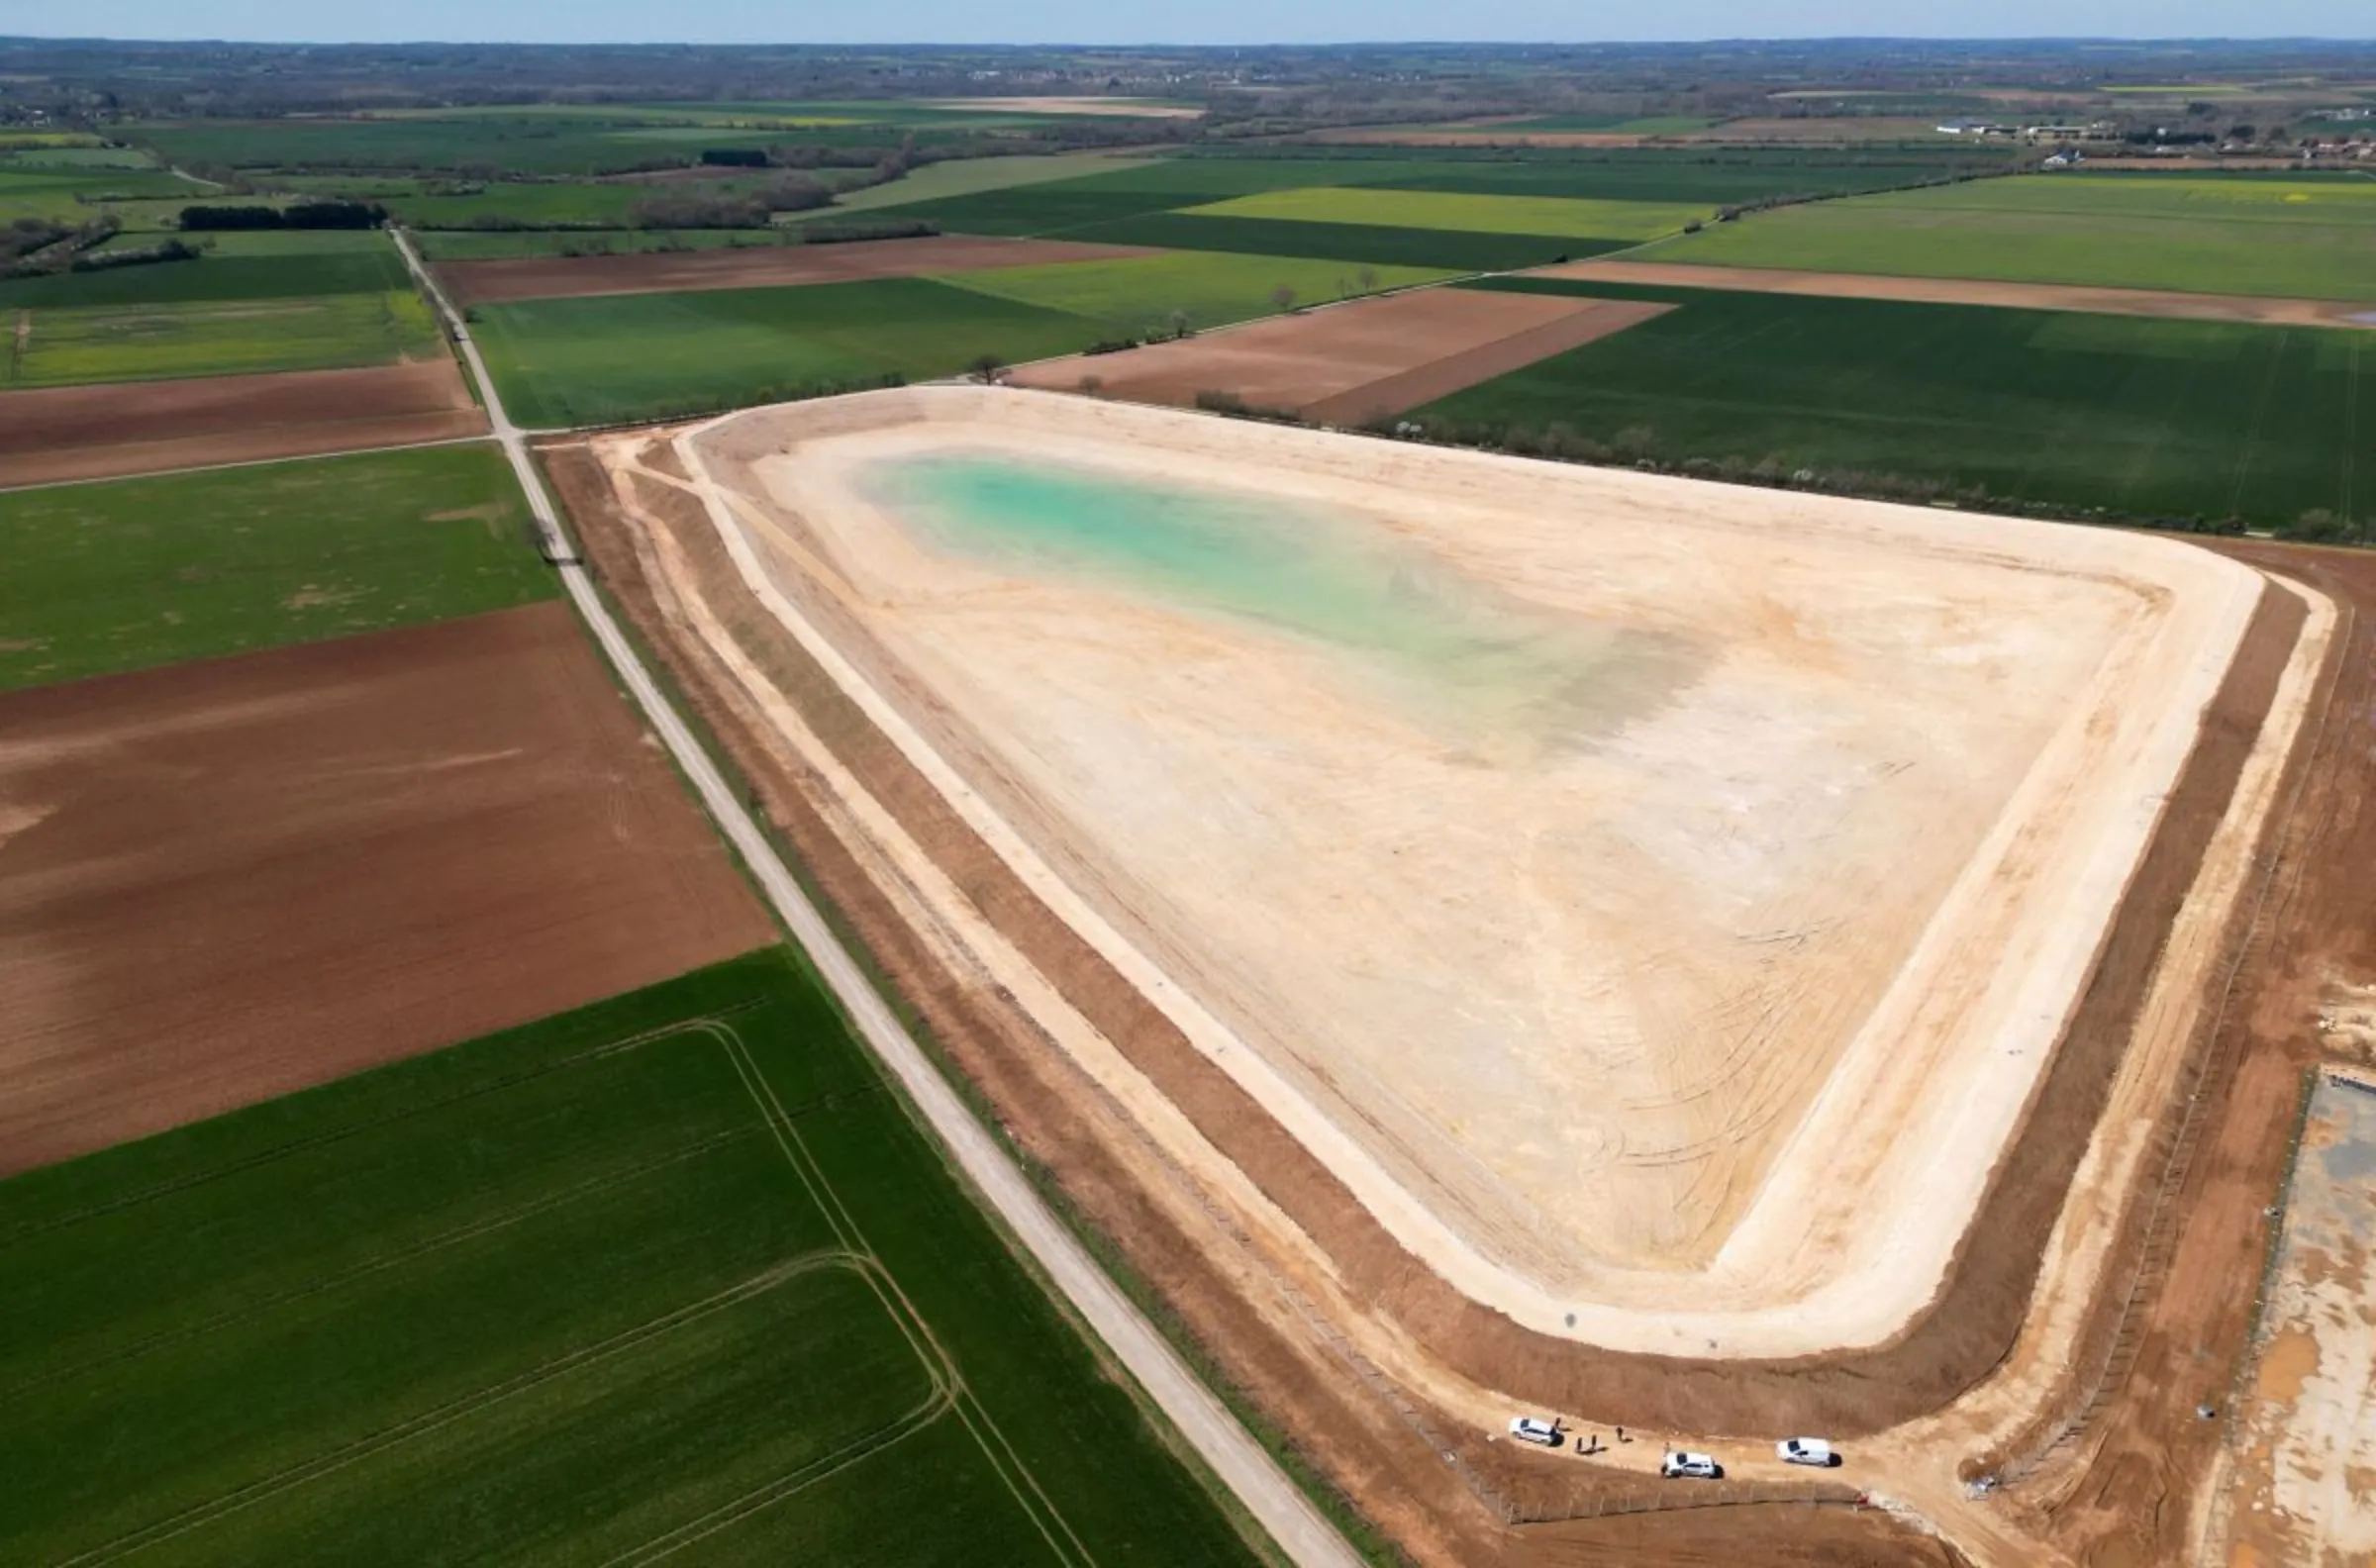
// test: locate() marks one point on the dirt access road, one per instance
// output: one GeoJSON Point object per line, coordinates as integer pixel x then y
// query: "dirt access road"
{"type": "Point", "coordinates": [226, 880]}
{"type": "Point", "coordinates": [1275, 1325]}
{"type": "Point", "coordinates": [1964, 291]}
{"type": "Point", "coordinates": [1345, 363]}
{"type": "Point", "coordinates": [1264, 1327]}
{"type": "Point", "coordinates": [1219, 1438]}
{"type": "Point", "coordinates": [2134, 1482]}
{"type": "Point", "coordinates": [57, 434]}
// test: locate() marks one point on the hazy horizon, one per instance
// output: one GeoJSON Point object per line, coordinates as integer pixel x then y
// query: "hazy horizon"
{"type": "Point", "coordinates": [1218, 23]}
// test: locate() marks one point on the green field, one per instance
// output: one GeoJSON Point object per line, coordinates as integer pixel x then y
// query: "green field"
{"type": "Point", "coordinates": [217, 276]}
{"type": "Point", "coordinates": [459, 144]}
{"type": "Point", "coordinates": [1564, 217]}
{"type": "Point", "coordinates": [497, 244]}
{"type": "Point", "coordinates": [2307, 239]}
{"type": "Point", "coordinates": [170, 339]}
{"type": "Point", "coordinates": [2164, 421]}
{"type": "Point", "coordinates": [131, 573]}
{"type": "Point", "coordinates": [674, 1275]}
{"type": "Point", "coordinates": [82, 195]}
{"type": "Point", "coordinates": [1096, 189]}
{"type": "Point", "coordinates": [1139, 295]}
{"type": "Point", "coordinates": [578, 361]}
{"type": "Point", "coordinates": [1714, 177]}
{"type": "Point", "coordinates": [1449, 248]}
{"type": "Point", "coordinates": [554, 203]}
{"type": "Point", "coordinates": [544, 139]}
{"type": "Point", "coordinates": [1056, 207]}
{"type": "Point", "coordinates": [972, 176]}
{"type": "Point", "coordinates": [277, 242]}
{"type": "Point", "coordinates": [76, 157]}
{"type": "Point", "coordinates": [1607, 125]}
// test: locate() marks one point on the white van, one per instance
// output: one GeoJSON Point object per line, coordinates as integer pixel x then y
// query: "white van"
{"type": "Point", "coordinates": [1540, 1431]}
{"type": "Point", "coordinates": [1806, 1451]}
{"type": "Point", "coordinates": [1694, 1466]}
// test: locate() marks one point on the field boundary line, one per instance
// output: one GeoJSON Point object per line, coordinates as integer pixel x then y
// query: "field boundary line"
{"type": "Point", "coordinates": [937, 1362]}
{"type": "Point", "coordinates": [2260, 414]}
{"type": "Point", "coordinates": [295, 1146]}
{"type": "Point", "coordinates": [973, 1156]}
{"type": "Point", "coordinates": [382, 1262]}
{"type": "Point", "coordinates": [759, 1499]}
{"type": "Point", "coordinates": [361, 1449]}
{"type": "Point", "coordinates": [248, 462]}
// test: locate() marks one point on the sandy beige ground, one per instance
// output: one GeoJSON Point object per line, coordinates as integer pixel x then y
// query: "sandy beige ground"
{"type": "Point", "coordinates": [1774, 998]}
{"type": "Point", "coordinates": [1964, 291]}
{"type": "Point", "coordinates": [1355, 361]}
{"type": "Point", "coordinates": [2304, 1486]}
{"type": "Point", "coordinates": [1352, 1350]}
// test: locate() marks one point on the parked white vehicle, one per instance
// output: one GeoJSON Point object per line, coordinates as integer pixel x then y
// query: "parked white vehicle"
{"type": "Point", "coordinates": [1542, 1430]}
{"type": "Point", "coordinates": [1806, 1451]}
{"type": "Point", "coordinates": [1696, 1466]}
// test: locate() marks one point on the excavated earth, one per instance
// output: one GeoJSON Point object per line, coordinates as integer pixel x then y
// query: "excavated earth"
{"type": "Point", "coordinates": [1350, 363]}
{"type": "Point", "coordinates": [1379, 1368]}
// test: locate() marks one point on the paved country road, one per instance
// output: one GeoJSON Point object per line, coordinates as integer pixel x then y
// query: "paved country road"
{"type": "Point", "coordinates": [1242, 1464]}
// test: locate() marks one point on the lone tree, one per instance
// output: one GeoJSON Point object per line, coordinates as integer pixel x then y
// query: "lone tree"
{"type": "Point", "coordinates": [1283, 297]}
{"type": "Point", "coordinates": [986, 368]}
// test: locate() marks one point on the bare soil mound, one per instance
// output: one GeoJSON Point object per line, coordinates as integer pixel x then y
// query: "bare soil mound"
{"type": "Point", "coordinates": [1369, 359]}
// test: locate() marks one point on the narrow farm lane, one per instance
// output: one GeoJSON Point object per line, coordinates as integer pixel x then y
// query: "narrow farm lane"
{"type": "Point", "coordinates": [1219, 1438]}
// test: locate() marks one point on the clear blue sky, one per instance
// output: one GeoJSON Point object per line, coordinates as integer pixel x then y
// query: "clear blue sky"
{"type": "Point", "coordinates": [1171, 22]}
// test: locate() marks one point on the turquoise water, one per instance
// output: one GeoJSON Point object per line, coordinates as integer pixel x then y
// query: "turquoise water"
{"type": "Point", "coordinates": [1469, 653]}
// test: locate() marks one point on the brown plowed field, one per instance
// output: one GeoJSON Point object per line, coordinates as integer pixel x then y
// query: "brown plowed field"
{"type": "Point", "coordinates": [55, 434]}
{"type": "Point", "coordinates": [1967, 291]}
{"type": "Point", "coordinates": [227, 880]}
{"type": "Point", "coordinates": [1358, 361]}
{"type": "Point", "coordinates": [658, 272]}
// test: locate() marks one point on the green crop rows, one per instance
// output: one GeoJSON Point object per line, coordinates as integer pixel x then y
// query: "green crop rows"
{"type": "Point", "coordinates": [1710, 179]}
{"type": "Point", "coordinates": [671, 1274]}
{"type": "Point", "coordinates": [1606, 197]}
{"type": "Point", "coordinates": [239, 276]}
{"type": "Point", "coordinates": [164, 340]}
{"type": "Point", "coordinates": [1562, 216]}
{"type": "Point", "coordinates": [1056, 207]}
{"type": "Point", "coordinates": [503, 245]}
{"type": "Point", "coordinates": [132, 573]}
{"type": "Point", "coordinates": [1139, 295]}
{"type": "Point", "coordinates": [2313, 240]}
{"type": "Point", "coordinates": [974, 177]}
{"type": "Point", "coordinates": [618, 358]}
{"type": "Point", "coordinates": [2167, 420]}
{"type": "Point", "coordinates": [1338, 242]}
{"type": "Point", "coordinates": [580, 361]}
